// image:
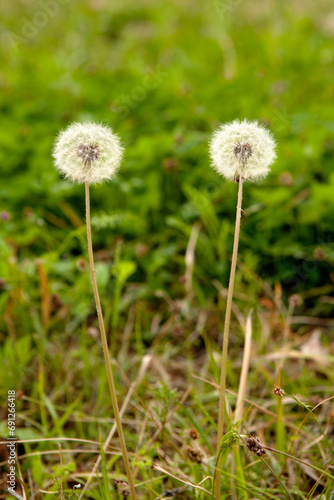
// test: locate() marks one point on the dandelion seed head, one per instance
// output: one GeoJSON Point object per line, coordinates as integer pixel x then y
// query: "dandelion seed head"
{"type": "Point", "coordinates": [87, 152]}
{"type": "Point", "coordinates": [242, 149]}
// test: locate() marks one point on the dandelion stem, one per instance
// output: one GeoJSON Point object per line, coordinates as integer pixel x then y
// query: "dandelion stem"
{"type": "Point", "coordinates": [105, 346]}
{"type": "Point", "coordinates": [222, 390]}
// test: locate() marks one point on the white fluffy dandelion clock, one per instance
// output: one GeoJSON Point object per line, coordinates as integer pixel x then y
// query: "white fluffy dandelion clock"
{"type": "Point", "coordinates": [242, 149]}
{"type": "Point", "coordinates": [239, 150]}
{"type": "Point", "coordinates": [87, 152]}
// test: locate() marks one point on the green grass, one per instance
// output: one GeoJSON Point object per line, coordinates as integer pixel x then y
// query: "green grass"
{"type": "Point", "coordinates": [163, 75]}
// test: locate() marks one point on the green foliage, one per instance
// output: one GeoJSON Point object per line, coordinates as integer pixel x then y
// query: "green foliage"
{"type": "Point", "coordinates": [164, 75]}
{"type": "Point", "coordinates": [164, 105]}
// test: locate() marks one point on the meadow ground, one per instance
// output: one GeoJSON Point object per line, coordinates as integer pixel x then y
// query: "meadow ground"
{"type": "Point", "coordinates": [164, 75]}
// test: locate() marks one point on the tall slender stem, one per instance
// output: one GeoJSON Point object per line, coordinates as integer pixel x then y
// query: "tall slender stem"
{"type": "Point", "coordinates": [222, 390]}
{"type": "Point", "coordinates": [105, 347]}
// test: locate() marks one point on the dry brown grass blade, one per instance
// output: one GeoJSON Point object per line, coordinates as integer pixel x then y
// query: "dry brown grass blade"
{"type": "Point", "coordinates": [43, 440]}
{"type": "Point", "coordinates": [45, 296]}
{"type": "Point", "coordinates": [244, 369]}
{"type": "Point", "coordinates": [190, 258]}
{"type": "Point", "coordinates": [71, 214]}
{"type": "Point", "coordinates": [294, 354]}
{"type": "Point", "coordinates": [61, 473]}
{"type": "Point", "coordinates": [308, 320]}
{"type": "Point", "coordinates": [179, 476]}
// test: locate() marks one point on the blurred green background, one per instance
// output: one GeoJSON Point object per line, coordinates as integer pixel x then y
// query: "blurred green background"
{"type": "Point", "coordinates": [164, 75]}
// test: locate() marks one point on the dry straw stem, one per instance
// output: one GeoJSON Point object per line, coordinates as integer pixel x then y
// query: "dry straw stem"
{"type": "Point", "coordinates": [222, 389]}
{"type": "Point", "coordinates": [190, 258]}
{"type": "Point", "coordinates": [244, 369]}
{"type": "Point", "coordinates": [240, 402]}
{"type": "Point", "coordinates": [105, 346]}
{"type": "Point", "coordinates": [61, 473]}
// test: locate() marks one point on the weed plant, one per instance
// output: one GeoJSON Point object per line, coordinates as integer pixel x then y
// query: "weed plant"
{"type": "Point", "coordinates": [164, 74]}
